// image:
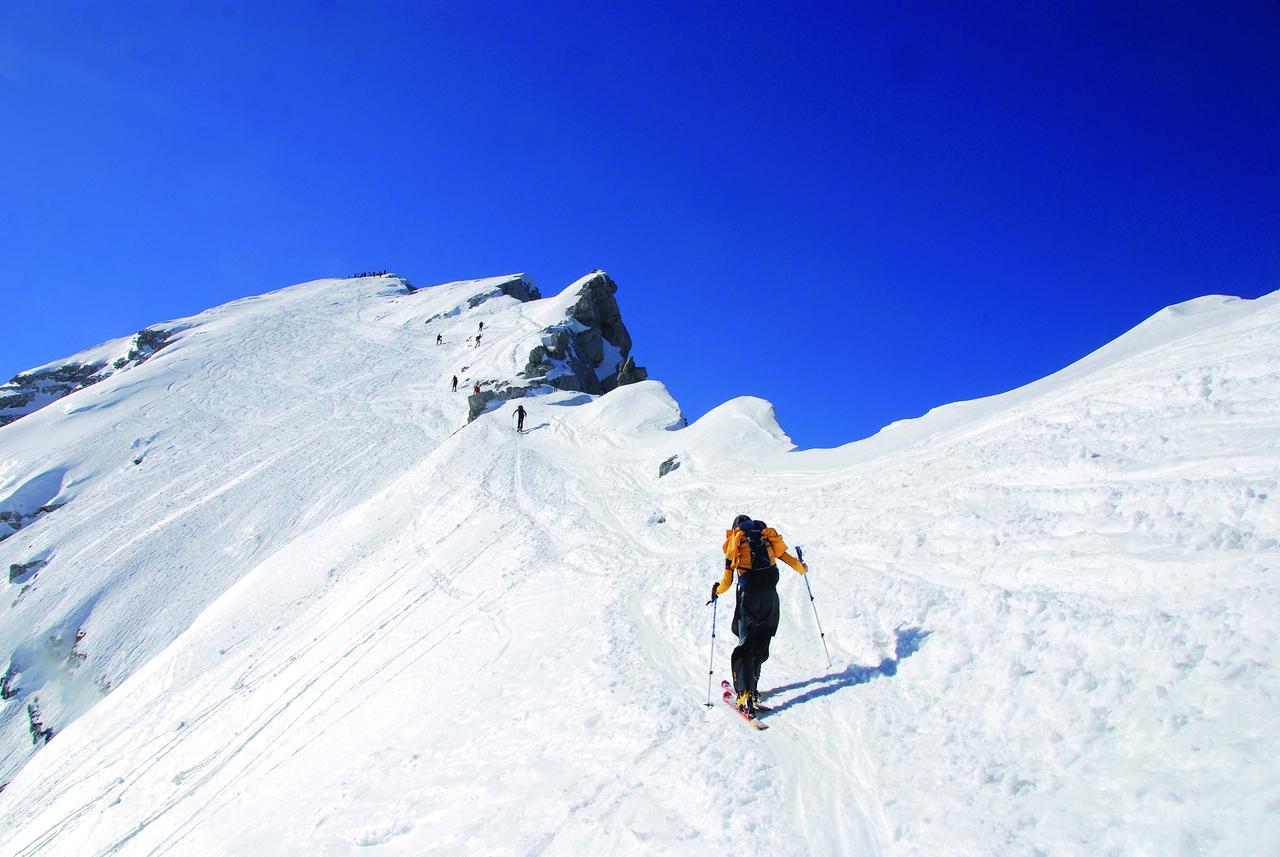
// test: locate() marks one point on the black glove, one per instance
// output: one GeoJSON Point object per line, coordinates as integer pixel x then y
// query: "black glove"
{"type": "Point", "coordinates": [714, 594]}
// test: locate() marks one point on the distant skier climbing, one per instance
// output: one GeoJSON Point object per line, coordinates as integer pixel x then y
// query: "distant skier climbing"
{"type": "Point", "coordinates": [520, 415]}
{"type": "Point", "coordinates": [477, 340]}
{"type": "Point", "coordinates": [481, 326]}
{"type": "Point", "coordinates": [455, 383]}
{"type": "Point", "coordinates": [476, 389]}
{"type": "Point", "coordinates": [751, 551]}
{"type": "Point", "coordinates": [439, 339]}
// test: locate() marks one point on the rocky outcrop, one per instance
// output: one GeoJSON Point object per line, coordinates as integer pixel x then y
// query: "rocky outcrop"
{"type": "Point", "coordinates": [519, 287]}
{"type": "Point", "coordinates": [478, 403]}
{"type": "Point", "coordinates": [591, 351]}
{"type": "Point", "coordinates": [21, 572]}
{"type": "Point", "coordinates": [12, 521]}
{"type": "Point", "coordinates": [28, 392]}
{"type": "Point", "coordinates": [31, 391]}
{"type": "Point", "coordinates": [40, 734]}
{"type": "Point", "coordinates": [145, 344]}
{"type": "Point", "coordinates": [630, 373]}
{"type": "Point", "coordinates": [672, 463]}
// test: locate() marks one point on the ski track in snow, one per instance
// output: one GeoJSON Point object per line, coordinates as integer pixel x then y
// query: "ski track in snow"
{"type": "Point", "coordinates": [339, 623]}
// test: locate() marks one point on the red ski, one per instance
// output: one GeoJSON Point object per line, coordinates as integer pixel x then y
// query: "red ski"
{"type": "Point", "coordinates": [760, 707]}
{"type": "Point", "coordinates": [731, 700]}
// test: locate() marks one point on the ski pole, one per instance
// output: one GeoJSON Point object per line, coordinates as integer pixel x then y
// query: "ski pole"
{"type": "Point", "coordinates": [822, 634]}
{"type": "Point", "coordinates": [711, 672]}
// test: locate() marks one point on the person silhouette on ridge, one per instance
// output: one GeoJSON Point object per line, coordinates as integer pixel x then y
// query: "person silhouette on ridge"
{"type": "Point", "coordinates": [520, 415]}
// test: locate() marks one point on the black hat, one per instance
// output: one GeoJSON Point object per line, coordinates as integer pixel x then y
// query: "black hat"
{"type": "Point", "coordinates": [740, 520]}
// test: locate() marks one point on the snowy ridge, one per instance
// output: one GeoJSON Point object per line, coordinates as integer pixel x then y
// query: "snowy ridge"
{"type": "Point", "coordinates": [335, 616]}
{"type": "Point", "coordinates": [1162, 330]}
{"type": "Point", "coordinates": [171, 480]}
{"type": "Point", "coordinates": [37, 388]}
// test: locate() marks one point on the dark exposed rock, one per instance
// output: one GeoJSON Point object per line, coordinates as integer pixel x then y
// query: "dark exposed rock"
{"type": "Point", "coordinates": [76, 657]}
{"type": "Point", "coordinates": [521, 288]}
{"type": "Point", "coordinates": [146, 343]}
{"type": "Point", "coordinates": [630, 373]}
{"type": "Point", "coordinates": [597, 309]}
{"type": "Point", "coordinates": [72, 373]}
{"type": "Point", "coordinates": [672, 463]}
{"type": "Point", "coordinates": [555, 347]}
{"type": "Point", "coordinates": [478, 403]}
{"type": "Point", "coordinates": [39, 732]}
{"type": "Point", "coordinates": [572, 355]}
{"type": "Point", "coordinates": [14, 401]}
{"type": "Point", "coordinates": [22, 593]}
{"type": "Point", "coordinates": [11, 522]}
{"type": "Point", "coordinates": [28, 392]}
{"type": "Point", "coordinates": [22, 572]}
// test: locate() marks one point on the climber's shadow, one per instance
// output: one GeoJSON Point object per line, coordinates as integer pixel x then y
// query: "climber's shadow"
{"type": "Point", "coordinates": [908, 643]}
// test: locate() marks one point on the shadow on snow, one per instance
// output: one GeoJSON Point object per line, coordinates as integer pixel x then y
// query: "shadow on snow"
{"type": "Point", "coordinates": [583, 399]}
{"type": "Point", "coordinates": [908, 643]}
{"type": "Point", "coordinates": [535, 428]}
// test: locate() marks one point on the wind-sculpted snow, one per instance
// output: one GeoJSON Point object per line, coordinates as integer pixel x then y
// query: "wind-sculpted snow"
{"type": "Point", "coordinates": [334, 616]}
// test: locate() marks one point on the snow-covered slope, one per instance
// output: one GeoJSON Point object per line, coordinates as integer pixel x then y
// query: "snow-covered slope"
{"type": "Point", "coordinates": [139, 500]}
{"type": "Point", "coordinates": [335, 617]}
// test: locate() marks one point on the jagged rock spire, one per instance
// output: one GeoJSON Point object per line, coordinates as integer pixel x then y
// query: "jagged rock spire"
{"type": "Point", "coordinates": [588, 352]}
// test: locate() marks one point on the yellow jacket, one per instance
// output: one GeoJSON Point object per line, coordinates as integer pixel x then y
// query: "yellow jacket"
{"type": "Point", "coordinates": [737, 555]}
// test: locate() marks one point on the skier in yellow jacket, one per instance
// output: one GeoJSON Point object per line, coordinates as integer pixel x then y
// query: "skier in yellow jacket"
{"type": "Point", "coordinates": [751, 551]}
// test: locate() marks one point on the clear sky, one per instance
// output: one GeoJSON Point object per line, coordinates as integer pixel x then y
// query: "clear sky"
{"type": "Point", "coordinates": [855, 210]}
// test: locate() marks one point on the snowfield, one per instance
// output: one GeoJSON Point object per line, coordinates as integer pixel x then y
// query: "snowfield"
{"type": "Point", "coordinates": [271, 593]}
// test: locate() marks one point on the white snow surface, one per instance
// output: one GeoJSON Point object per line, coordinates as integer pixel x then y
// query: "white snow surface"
{"type": "Point", "coordinates": [325, 616]}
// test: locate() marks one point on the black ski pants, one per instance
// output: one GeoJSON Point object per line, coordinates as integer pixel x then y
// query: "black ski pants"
{"type": "Point", "coordinates": [755, 621]}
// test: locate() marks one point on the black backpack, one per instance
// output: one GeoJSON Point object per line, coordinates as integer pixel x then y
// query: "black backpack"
{"type": "Point", "coordinates": [754, 531]}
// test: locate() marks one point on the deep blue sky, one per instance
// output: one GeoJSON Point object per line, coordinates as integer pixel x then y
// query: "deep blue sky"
{"type": "Point", "coordinates": [858, 211]}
